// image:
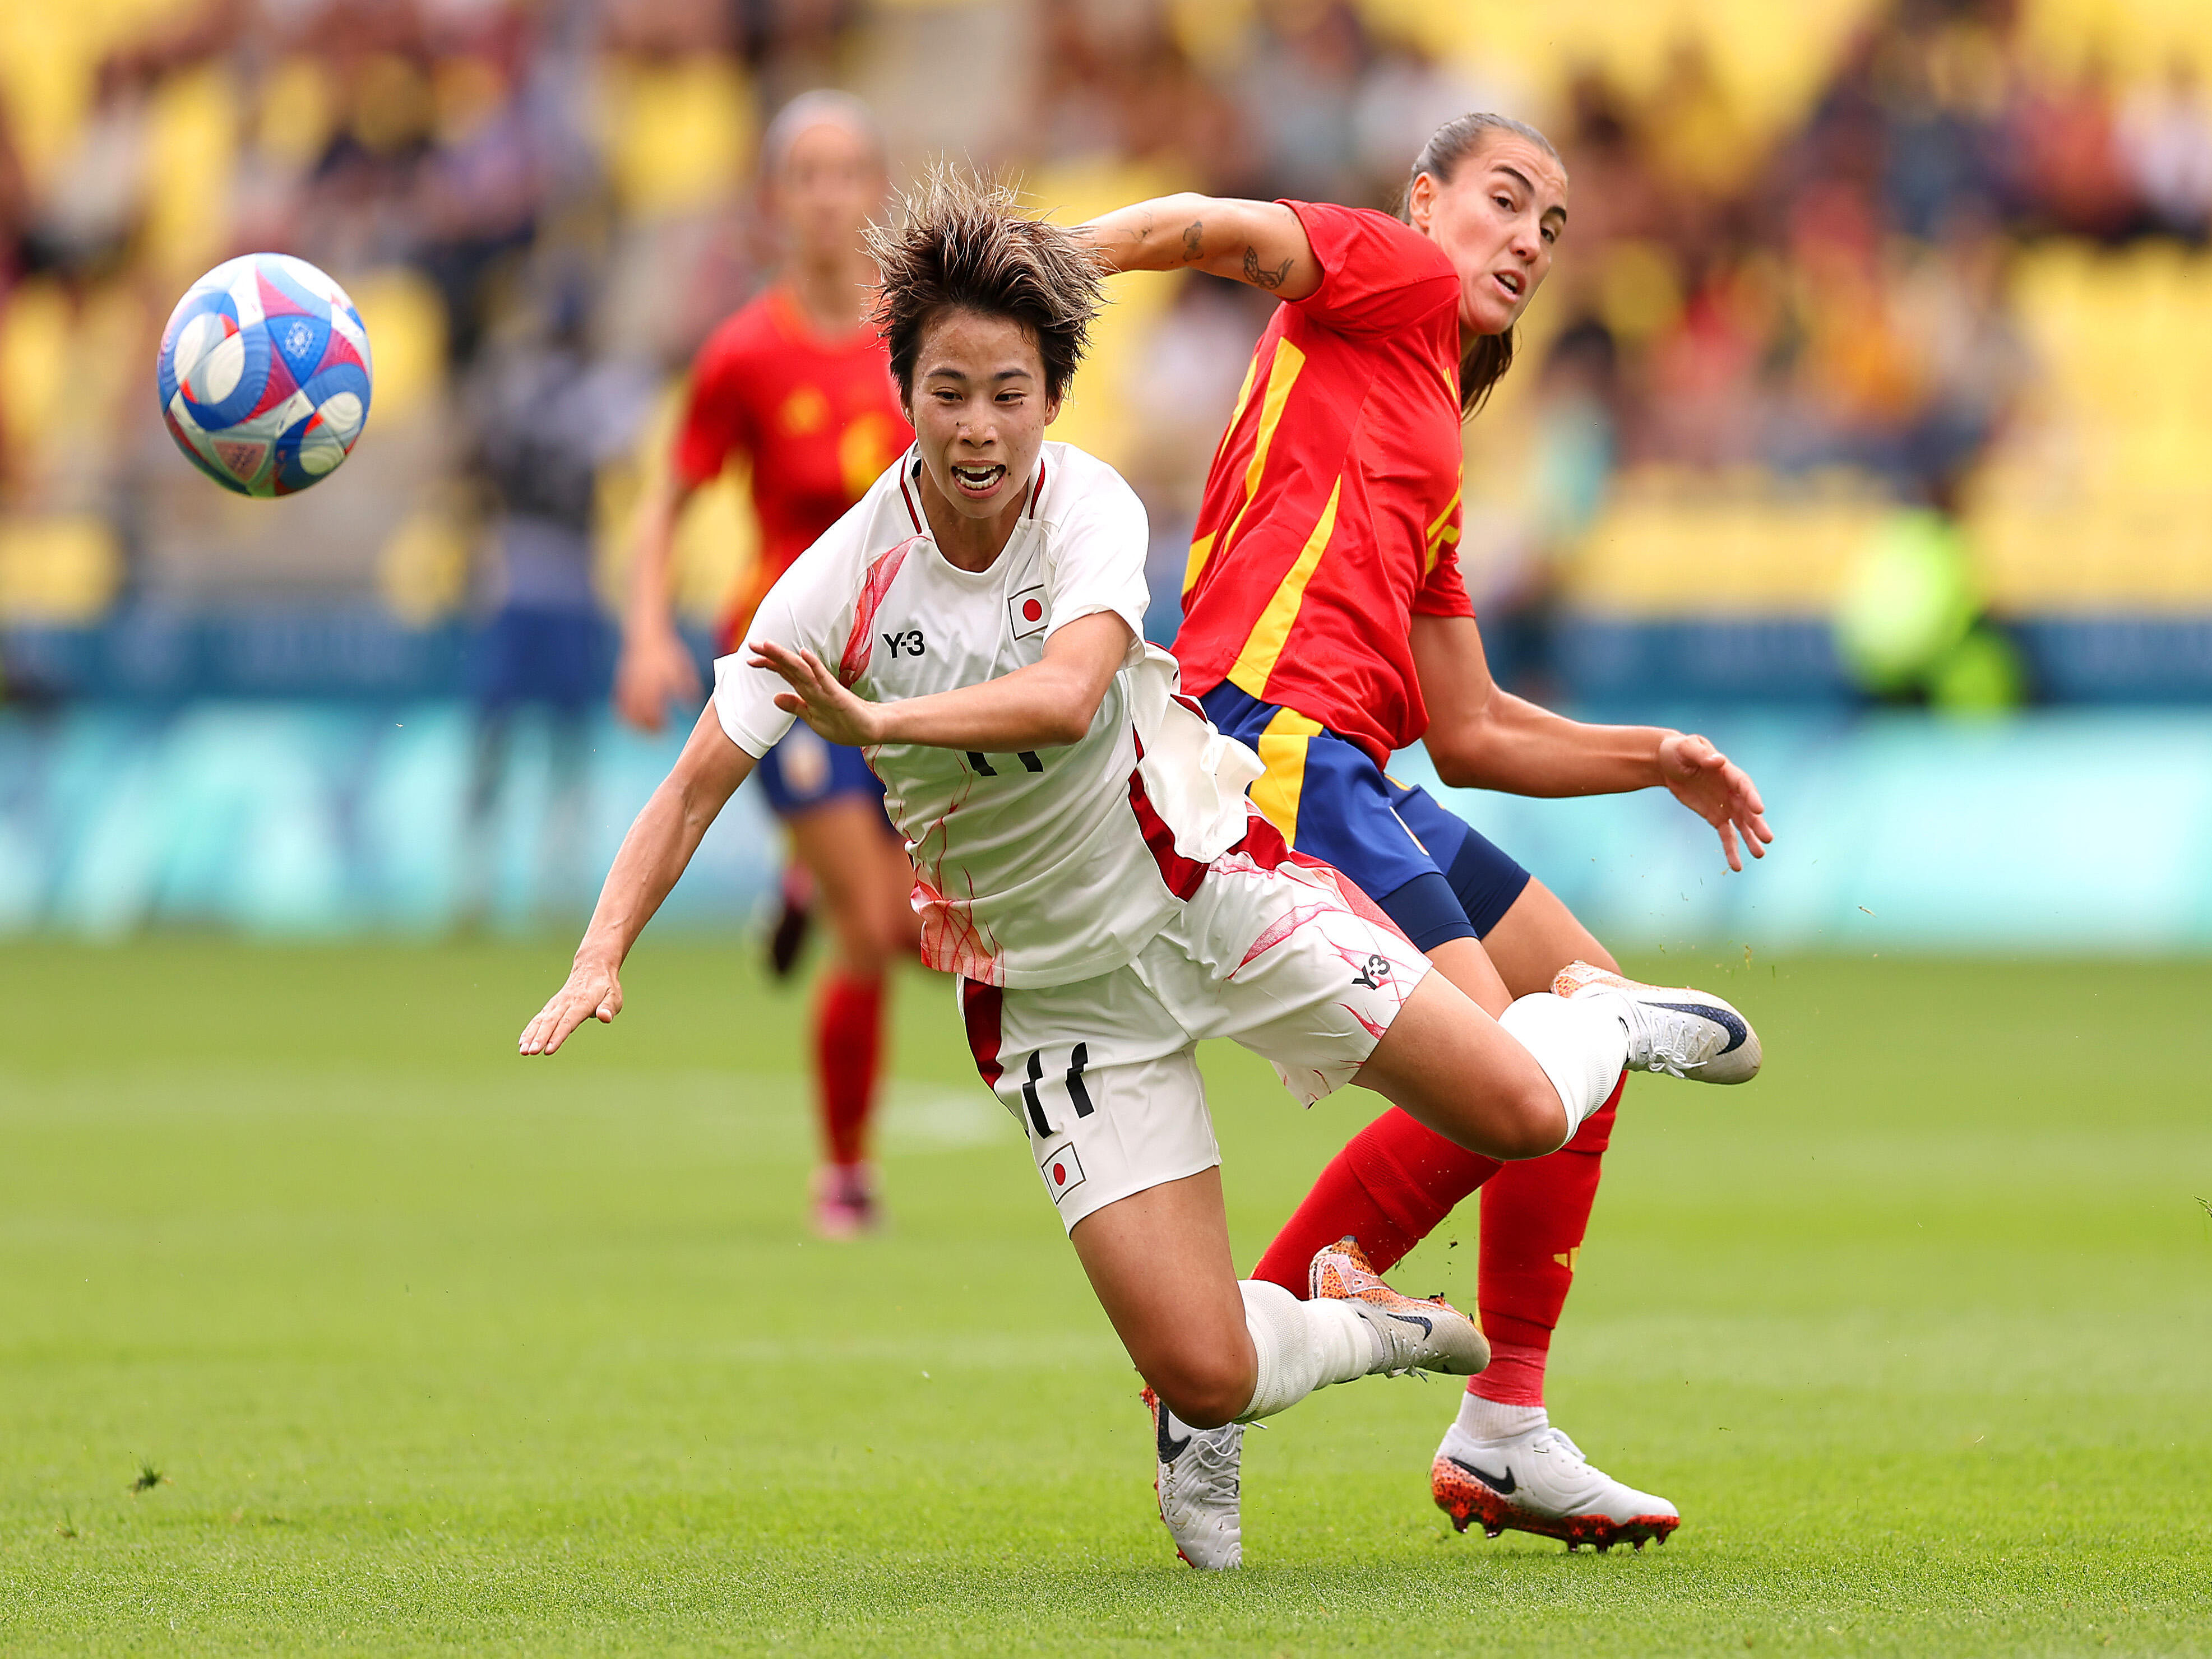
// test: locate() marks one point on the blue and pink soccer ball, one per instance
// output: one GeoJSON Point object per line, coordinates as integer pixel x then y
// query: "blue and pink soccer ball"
{"type": "Point", "coordinates": [264, 374]}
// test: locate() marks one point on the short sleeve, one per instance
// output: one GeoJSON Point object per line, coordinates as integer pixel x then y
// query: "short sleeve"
{"type": "Point", "coordinates": [795, 615]}
{"type": "Point", "coordinates": [716, 417]}
{"type": "Point", "coordinates": [1444, 590]}
{"type": "Point", "coordinates": [1377, 275]}
{"type": "Point", "coordinates": [1097, 559]}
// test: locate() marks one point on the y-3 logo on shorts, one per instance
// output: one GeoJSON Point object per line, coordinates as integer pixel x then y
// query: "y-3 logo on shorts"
{"type": "Point", "coordinates": [910, 643]}
{"type": "Point", "coordinates": [1372, 973]}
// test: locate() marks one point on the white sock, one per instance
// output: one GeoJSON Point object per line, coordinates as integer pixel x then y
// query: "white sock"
{"type": "Point", "coordinates": [1486, 1420]}
{"type": "Point", "coordinates": [1302, 1346]}
{"type": "Point", "coordinates": [1580, 1044]}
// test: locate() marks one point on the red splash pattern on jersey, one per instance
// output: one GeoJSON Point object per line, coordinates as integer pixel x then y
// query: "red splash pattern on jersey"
{"type": "Point", "coordinates": [859, 644]}
{"type": "Point", "coordinates": [1280, 929]}
{"type": "Point", "coordinates": [1373, 1030]}
{"type": "Point", "coordinates": [952, 941]}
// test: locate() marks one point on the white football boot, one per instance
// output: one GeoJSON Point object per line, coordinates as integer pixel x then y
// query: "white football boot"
{"type": "Point", "coordinates": [1538, 1481]}
{"type": "Point", "coordinates": [1673, 1028]}
{"type": "Point", "coordinates": [1412, 1334]}
{"type": "Point", "coordinates": [1197, 1482]}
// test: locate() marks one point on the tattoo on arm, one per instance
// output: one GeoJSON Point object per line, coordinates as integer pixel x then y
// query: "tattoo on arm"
{"type": "Point", "coordinates": [1270, 280]}
{"type": "Point", "coordinates": [1193, 241]}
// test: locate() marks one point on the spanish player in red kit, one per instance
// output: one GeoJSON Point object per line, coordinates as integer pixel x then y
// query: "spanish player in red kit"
{"type": "Point", "coordinates": [1326, 624]}
{"type": "Point", "coordinates": [799, 383]}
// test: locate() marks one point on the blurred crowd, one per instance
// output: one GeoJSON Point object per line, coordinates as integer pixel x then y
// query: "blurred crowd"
{"type": "Point", "coordinates": [546, 204]}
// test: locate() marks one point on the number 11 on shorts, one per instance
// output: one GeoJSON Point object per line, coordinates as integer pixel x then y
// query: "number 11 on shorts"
{"type": "Point", "coordinates": [1077, 1095]}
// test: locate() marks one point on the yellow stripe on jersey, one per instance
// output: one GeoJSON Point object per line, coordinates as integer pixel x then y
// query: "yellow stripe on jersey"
{"type": "Point", "coordinates": [1282, 375]}
{"type": "Point", "coordinates": [1196, 562]}
{"type": "Point", "coordinates": [1202, 548]}
{"type": "Point", "coordinates": [1430, 534]}
{"type": "Point", "coordinates": [1283, 752]}
{"type": "Point", "coordinates": [1244, 397]}
{"type": "Point", "coordinates": [1249, 673]}
{"type": "Point", "coordinates": [1441, 535]}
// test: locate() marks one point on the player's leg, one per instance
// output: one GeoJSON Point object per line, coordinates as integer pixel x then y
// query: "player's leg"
{"type": "Point", "coordinates": [1534, 1214]}
{"type": "Point", "coordinates": [1103, 1079]}
{"type": "Point", "coordinates": [833, 809]}
{"type": "Point", "coordinates": [1396, 1180]}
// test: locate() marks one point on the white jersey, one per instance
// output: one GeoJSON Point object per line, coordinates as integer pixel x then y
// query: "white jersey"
{"type": "Point", "coordinates": [1043, 866]}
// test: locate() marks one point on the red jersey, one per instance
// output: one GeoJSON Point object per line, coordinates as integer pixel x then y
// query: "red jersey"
{"type": "Point", "coordinates": [819, 418]}
{"type": "Point", "coordinates": [1331, 515]}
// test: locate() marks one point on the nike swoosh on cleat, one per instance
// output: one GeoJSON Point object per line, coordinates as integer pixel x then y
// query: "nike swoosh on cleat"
{"type": "Point", "coordinates": [1428, 1327]}
{"type": "Point", "coordinates": [1739, 1033]}
{"type": "Point", "coordinates": [1503, 1485]}
{"type": "Point", "coordinates": [1169, 1448]}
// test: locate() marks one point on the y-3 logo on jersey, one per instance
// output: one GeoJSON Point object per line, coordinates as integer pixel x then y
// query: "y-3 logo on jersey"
{"type": "Point", "coordinates": [909, 643]}
{"type": "Point", "coordinates": [1372, 973]}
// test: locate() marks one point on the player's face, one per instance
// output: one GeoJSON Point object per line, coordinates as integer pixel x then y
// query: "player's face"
{"type": "Point", "coordinates": [1498, 221]}
{"type": "Point", "coordinates": [830, 180]}
{"type": "Point", "coordinates": [979, 410]}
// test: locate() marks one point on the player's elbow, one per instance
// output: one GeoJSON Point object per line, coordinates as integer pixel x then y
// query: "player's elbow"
{"type": "Point", "coordinates": [1462, 753]}
{"type": "Point", "coordinates": [1065, 718]}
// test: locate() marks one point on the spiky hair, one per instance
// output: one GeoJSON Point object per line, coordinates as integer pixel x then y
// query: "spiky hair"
{"type": "Point", "coordinates": [956, 243]}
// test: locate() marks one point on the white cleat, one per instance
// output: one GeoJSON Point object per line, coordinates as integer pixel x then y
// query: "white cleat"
{"type": "Point", "coordinates": [1538, 1481]}
{"type": "Point", "coordinates": [1673, 1028]}
{"type": "Point", "coordinates": [1197, 1483]}
{"type": "Point", "coordinates": [1412, 1334]}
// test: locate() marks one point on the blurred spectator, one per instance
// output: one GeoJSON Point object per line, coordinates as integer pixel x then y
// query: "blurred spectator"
{"type": "Point", "coordinates": [546, 415]}
{"type": "Point", "coordinates": [2165, 136]}
{"type": "Point", "coordinates": [1755, 291]}
{"type": "Point", "coordinates": [1299, 95]}
{"type": "Point", "coordinates": [2076, 178]}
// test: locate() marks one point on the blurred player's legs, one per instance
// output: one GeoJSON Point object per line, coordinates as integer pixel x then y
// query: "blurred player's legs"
{"type": "Point", "coordinates": [832, 807]}
{"type": "Point", "coordinates": [794, 920]}
{"type": "Point", "coordinates": [538, 658]}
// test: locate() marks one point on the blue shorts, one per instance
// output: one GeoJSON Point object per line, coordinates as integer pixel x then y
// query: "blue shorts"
{"type": "Point", "coordinates": [1432, 874]}
{"type": "Point", "coordinates": [805, 771]}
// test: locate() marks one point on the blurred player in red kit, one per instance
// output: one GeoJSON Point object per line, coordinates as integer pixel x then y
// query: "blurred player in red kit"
{"type": "Point", "coordinates": [799, 383]}
{"type": "Point", "coordinates": [1325, 623]}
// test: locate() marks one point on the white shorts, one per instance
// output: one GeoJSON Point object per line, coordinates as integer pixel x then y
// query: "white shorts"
{"type": "Point", "coordinates": [1287, 958]}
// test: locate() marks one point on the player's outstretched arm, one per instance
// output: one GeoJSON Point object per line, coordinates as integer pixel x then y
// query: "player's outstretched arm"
{"type": "Point", "coordinates": [1482, 736]}
{"type": "Point", "coordinates": [1261, 243]}
{"type": "Point", "coordinates": [1047, 705]}
{"type": "Point", "coordinates": [653, 853]}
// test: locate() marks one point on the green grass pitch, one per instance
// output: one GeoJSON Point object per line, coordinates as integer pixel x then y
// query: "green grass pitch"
{"type": "Point", "coordinates": [417, 1347]}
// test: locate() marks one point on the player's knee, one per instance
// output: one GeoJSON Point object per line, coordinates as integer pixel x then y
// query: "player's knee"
{"type": "Point", "coordinates": [1531, 1121]}
{"type": "Point", "coordinates": [866, 940]}
{"type": "Point", "coordinates": [1202, 1389]}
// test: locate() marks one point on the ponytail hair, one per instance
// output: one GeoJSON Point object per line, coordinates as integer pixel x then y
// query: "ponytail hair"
{"type": "Point", "coordinates": [1486, 362]}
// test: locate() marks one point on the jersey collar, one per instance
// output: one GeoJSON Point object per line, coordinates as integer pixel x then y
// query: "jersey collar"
{"type": "Point", "coordinates": [910, 488]}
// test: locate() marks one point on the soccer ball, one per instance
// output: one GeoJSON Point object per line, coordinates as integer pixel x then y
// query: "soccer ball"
{"type": "Point", "coordinates": [264, 374]}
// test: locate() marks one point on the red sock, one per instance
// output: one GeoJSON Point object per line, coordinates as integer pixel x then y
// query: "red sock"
{"type": "Point", "coordinates": [848, 1042]}
{"type": "Point", "coordinates": [1392, 1183]}
{"type": "Point", "coordinates": [1534, 1217]}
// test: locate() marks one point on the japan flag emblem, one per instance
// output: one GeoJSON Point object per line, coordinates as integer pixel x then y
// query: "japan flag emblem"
{"type": "Point", "coordinates": [1026, 610]}
{"type": "Point", "coordinates": [1062, 1172]}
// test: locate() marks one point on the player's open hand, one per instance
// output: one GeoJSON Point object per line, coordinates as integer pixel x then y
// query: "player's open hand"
{"type": "Point", "coordinates": [1718, 791]}
{"type": "Point", "coordinates": [593, 991]}
{"type": "Point", "coordinates": [655, 669]}
{"type": "Point", "coordinates": [817, 697]}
